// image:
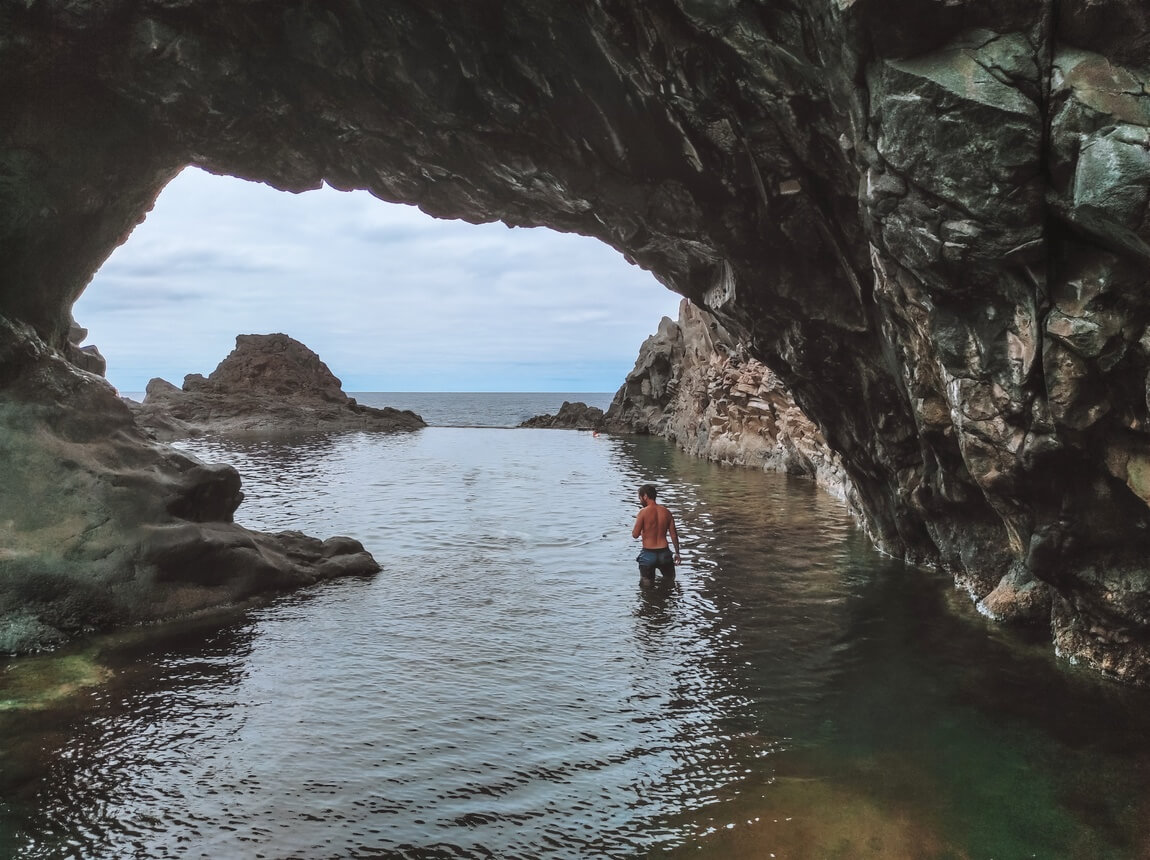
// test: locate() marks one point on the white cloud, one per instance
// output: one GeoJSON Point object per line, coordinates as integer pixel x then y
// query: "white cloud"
{"type": "Point", "coordinates": [390, 298]}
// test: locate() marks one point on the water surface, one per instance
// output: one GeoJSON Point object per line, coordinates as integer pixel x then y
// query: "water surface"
{"type": "Point", "coordinates": [504, 688]}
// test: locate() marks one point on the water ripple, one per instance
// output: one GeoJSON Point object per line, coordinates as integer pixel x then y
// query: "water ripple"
{"type": "Point", "coordinates": [503, 688]}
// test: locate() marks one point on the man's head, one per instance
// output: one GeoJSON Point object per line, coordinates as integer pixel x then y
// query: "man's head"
{"type": "Point", "coordinates": [647, 491]}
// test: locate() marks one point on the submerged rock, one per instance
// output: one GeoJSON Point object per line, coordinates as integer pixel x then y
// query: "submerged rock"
{"type": "Point", "coordinates": [270, 383]}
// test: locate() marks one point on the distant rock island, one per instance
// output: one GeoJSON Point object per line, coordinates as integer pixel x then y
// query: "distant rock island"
{"type": "Point", "coordinates": [270, 383]}
{"type": "Point", "coordinates": [571, 416]}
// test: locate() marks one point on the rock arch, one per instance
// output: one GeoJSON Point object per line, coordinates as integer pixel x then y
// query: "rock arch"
{"type": "Point", "coordinates": [929, 219]}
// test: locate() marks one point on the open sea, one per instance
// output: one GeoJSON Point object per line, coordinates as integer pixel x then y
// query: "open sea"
{"type": "Point", "coordinates": [505, 689]}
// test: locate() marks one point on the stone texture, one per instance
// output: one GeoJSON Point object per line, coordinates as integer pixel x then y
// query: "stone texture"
{"type": "Point", "coordinates": [85, 357]}
{"type": "Point", "coordinates": [270, 383]}
{"type": "Point", "coordinates": [694, 384]}
{"type": "Point", "coordinates": [927, 218]}
{"type": "Point", "coordinates": [101, 526]}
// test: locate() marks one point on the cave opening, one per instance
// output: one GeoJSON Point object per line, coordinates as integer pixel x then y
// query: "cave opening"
{"type": "Point", "coordinates": [390, 298]}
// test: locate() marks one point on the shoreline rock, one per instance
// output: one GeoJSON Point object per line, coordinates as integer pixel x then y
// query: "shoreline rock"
{"type": "Point", "coordinates": [695, 385]}
{"type": "Point", "coordinates": [269, 384]}
{"type": "Point", "coordinates": [103, 527]}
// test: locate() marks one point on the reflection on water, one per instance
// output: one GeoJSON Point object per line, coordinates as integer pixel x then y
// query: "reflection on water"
{"type": "Point", "coordinates": [505, 689]}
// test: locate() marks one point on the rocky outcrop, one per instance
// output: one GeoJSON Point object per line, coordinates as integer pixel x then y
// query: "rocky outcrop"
{"type": "Point", "coordinates": [696, 385]}
{"type": "Point", "coordinates": [646, 400]}
{"type": "Point", "coordinates": [929, 219]}
{"type": "Point", "coordinates": [101, 526]}
{"type": "Point", "coordinates": [270, 383]}
{"type": "Point", "coordinates": [571, 416]}
{"type": "Point", "coordinates": [85, 357]}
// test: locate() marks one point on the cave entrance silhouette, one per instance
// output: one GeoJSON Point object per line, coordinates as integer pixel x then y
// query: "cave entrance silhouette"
{"type": "Point", "coordinates": [390, 298]}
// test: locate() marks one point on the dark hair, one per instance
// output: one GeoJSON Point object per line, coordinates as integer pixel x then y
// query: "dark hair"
{"type": "Point", "coordinates": [649, 491]}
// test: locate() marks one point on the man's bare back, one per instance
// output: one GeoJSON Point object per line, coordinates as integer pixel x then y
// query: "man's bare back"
{"type": "Point", "coordinates": [653, 524]}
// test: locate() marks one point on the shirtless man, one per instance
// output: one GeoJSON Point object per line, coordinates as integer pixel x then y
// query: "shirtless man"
{"type": "Point", "coordinates": [653, 524]}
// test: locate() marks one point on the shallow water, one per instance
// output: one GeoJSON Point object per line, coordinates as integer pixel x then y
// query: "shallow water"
{"type": "Point", "coordinates": [505, 689]}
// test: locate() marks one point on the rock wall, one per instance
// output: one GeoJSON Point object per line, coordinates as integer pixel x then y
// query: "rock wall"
{"type": "Point", "coordinates": [929, 219]}
{"type": "Point", "coordinates": [694, 384]}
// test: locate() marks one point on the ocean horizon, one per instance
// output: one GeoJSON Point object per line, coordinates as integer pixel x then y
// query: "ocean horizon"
{"type": "Point", "coordinates": [469, 408]}
{"type": "Point", "coordinates": [480, 408]}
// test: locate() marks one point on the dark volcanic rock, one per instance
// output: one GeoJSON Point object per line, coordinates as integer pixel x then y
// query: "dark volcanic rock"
{"type": "Point", "coordinates": [695, 384]}
{"type": "Point", "coordinates": [270, 383]}
{"type": "Point", "coordinates": [571, 416]}
{"type": "Point", "coordinates": [929, 219]}
{"type": "Point", "coordinates": [101, 526]}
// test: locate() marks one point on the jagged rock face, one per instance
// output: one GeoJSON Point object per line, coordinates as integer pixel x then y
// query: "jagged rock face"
{"type": "Point", "coordinates": [646, 400]}
{"type": "Point", "coordinates": [928, 218]}
{"type": "Point", "coordinates": [84, 357]}
{"type": "Point", "coordinates": [270, 383]}
{"type": "Point", "coordinates": [694, 384]}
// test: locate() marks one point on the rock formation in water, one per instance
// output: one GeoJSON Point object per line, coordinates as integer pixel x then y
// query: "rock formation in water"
{"type": "Point", "coordinates": [571, 416]}
{"type": "Point", "coordinates": [695, 384]}
{"type": "Point", "coordinates": [101, 526]}
{"type": "Point", "coordinates": [929, 219]}
{"type": "Point", "coordinates": [270, 383]}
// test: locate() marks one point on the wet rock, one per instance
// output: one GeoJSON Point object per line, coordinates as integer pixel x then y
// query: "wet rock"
{"type": "Point", "coordinates": [268, 384]}
{"type": "Point", "coordinates": [1019, 598]}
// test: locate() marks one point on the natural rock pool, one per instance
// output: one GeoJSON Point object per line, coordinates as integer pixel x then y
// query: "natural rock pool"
{"type": "Point", "coordinates": [505, 689]}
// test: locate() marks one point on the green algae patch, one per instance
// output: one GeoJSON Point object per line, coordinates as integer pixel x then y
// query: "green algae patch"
{"type": "Point", "coordinates": [30, 683]}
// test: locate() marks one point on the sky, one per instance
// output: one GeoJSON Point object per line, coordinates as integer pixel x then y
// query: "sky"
{"type": "Point", "coordinates": [390, 298]}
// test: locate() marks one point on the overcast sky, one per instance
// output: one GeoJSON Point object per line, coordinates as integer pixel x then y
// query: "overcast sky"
{"type": "Point", "coordinates": [390, 298]}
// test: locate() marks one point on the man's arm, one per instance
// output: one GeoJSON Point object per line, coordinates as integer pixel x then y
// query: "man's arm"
{"type": "Point", "coordinates": [638, 530]}
{"type": "Point", "coordinates": [674, 538]}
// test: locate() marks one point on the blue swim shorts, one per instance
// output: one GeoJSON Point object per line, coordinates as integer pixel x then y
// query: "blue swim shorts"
{"type": "Point", "coordinates": [650, 559]}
